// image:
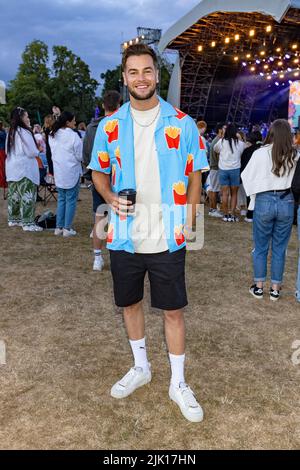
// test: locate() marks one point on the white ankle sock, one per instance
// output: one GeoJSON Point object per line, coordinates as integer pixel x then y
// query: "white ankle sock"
{"type": "Point", "coordinates": [177, 368]}
{"type": "Point", "coordinates": [139, 353]}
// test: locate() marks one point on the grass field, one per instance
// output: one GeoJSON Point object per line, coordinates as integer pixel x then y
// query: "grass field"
{"type": "Point", "coordinates": [66, 345]}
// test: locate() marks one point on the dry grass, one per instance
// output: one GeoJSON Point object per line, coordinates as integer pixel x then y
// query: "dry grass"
{"type": "Point", "coordinates": [66, 346]}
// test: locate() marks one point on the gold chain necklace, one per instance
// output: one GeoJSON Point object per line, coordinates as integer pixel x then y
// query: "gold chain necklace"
{"type": "Point", "coordinates": [145, 125]}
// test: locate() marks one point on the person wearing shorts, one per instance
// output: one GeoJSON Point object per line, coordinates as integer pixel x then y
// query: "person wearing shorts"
{"type": "Point", "coordinates": [230, 149]}
{"type": "Point", "coordinates": [153, 148]}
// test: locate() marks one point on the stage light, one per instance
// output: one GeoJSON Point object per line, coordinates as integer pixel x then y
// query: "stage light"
{"type": "Point", "coordinates": [261, 74]}
{"type": "Point", "coordinates": [237, 37]}
{"type": "Point", "coordinates": [271, 59]}
{"type": "Point", "coordinates": [296, 74]}
{"type": "Point", "coordinates": [275, 72]}
{"type": "Point", "coordinates": [143, 37]}
{"type": "Point", "coordinates": [227, 40]}
{"type": "Point", "coordinates": [280, 63]}
{"type": "Point", "coordinates": [266, 66]}
{"type": "Point", "coordinates": [296, 61]}
{"type": "Point", "coordinates": [200, 48]}
{"type": "Point", "coordinates": [252, 69]}
{"type": "Point", "coordinates": [290, 82]}
{"type": "Point", "coordinates": [213, 44]}
{"type": "Point", "coordinates": [287, 56]}
{"type": "Point", "coordinates": [130, 43]}
{"type": "Point", "coordinates": [269, 29]}
{"type": "Point", "coordinates": [244, 64]}
{"type": "Point", "coordinates": [251, 32]}
{"type": "Point", "coordinates": [137, 40]}
{"type": "Point", "coordinates": [125, 45]}
{"type": "Point", "coordinates": [294, 46]}
{"type": "Point", "coordinates": [278, 49]}
{"type": "Point", "coordinates": [236, 58]}
{"type": "Point", "coordinates": [269, 77]}
{"type": "Point", "coordinates": [281, 75]}
{"type": "Point", "coordinates": [257, 61]}
{"type": "Point", "coordinates": [289, 69]}
{"type": "Point", "coordinates": [276, 83]}
{"type": "Point", "coordinates": [262, 53]}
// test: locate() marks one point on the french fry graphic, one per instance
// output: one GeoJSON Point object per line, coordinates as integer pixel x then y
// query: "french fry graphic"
{"type": "Point", "coordinates": [111, 128]}
{"type": "Point", "coordinates": [110, 233]}
{"type": "Point", "coordinates": [104, 160]}
{"type": "Point", "coordinates": [180, 114]}
{"type": "Point", "coordinates": [173, 137]}
{"type": "Point", "coordinates": [118, 156]}
{"type": "Point", "coordinates": [113, 175]}
{"type": "Point", "coordinates": [179, 193]}
{"type": "Point", "coordinates": [189, 167]}
{"type": "Point", "coordinates": [178, 235]}
{"type": "Point", "coordinates": [201, 143]}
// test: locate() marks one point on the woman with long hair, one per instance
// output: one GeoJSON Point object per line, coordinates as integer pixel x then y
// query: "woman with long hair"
{"type": "Point", "coordinates": [3, 182]}
{"type": "Point", "coordinates": [66, 149]}
{"type": "Point", "coordinates": [48, 123]}
{"type": "Point", "coordinates": [230, 149]}
{"type": "Point", "coordinates": [22, 172]}
{"type": "Point", "coordinates": [267, 180]}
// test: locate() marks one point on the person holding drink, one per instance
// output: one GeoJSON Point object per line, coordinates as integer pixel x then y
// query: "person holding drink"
{"type": "Point", "coordinates": [148, 155]}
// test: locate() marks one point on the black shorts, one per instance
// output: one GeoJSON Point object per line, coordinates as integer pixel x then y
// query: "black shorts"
{"type": "Point", "coordinates": [98, 201]}
{"type": "Point", "coordinates": [166, 272]}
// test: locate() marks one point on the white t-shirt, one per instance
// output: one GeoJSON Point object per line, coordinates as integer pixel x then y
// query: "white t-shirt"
{"type": "Point", "coordinates": [229, 160]}
{"type": "Point", "coordinates": [21, 161]}
{"type": "Point", "coordinates": [66, 149]}
{"type": "Point", "coordinates": [148, 232]}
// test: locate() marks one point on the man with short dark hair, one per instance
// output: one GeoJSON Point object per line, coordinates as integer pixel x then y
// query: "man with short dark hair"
{"type": "Point", "coordinates": [111, 102]}
{"type": "Point", "coordinates": [152, 148]}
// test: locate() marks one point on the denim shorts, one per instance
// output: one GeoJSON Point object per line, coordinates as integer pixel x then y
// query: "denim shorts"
{"type": "Point", "coordinates": [229, 177]}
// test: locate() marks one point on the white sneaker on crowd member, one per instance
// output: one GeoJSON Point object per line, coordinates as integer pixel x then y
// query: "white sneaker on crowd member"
{"type": "Point", "coordinates": [98, 263]}
{"type": "Point", "coordinates": [215, 213]}
{"type": "Point", "coordinates": [227, 218]}
{"type": "Point", "coordinates": [32, 228]}
{"type": "Point", "coordinates": [248, 220]}
{"type": "Point", "coordinates": [135, 378]}
{"type": "Point", "coordinates": [234, 218]}
{"type": "Point", "coordinates": [58, 231]}
{"type": "Point", "coordinates": [69, 232]}
{"type": "Point", "coordinates": [186, 400]}
{"type": "Point", "coordinates": [14, 224]}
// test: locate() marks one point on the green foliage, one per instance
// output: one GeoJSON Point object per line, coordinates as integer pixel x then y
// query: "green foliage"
{"type": "Point", "coordinates": [37, 88]}
{"type": "Point", "coordinates": [112, 79]}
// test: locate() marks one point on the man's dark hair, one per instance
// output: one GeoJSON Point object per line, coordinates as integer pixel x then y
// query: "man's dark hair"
{"type": "Point", "coordinates": [111, 100]}
{"type": "Point", "coordinates": [138, 49]}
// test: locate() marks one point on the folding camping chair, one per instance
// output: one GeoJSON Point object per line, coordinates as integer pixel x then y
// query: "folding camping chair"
{"type": "Point", "coordinates": [47, 189]}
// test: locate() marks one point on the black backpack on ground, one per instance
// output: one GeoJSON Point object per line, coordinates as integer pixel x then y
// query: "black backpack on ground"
{"type": "Point", "coordinates": [47, 220]}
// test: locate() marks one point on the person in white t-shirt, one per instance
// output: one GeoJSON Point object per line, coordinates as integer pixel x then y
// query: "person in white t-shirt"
{"type": "Point", "coordinates": [22, 172]}
{"type": "Point", "coordinates": [230, 149]}
{"type": "Point", "coordinates": [66, 149]}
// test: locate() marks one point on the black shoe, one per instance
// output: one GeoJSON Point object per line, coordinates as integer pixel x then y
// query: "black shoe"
{"type": "Point", "coordinates": [257, 292]}
{"type": "Point", "coordinates": [274, 294]}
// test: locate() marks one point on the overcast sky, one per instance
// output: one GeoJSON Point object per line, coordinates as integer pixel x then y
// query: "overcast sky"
{"type": "Point", "coordinates": [92, 29]}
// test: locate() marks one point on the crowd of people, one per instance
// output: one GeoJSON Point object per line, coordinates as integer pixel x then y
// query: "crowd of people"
{"type": "Point", "coordinates": [158, 153]}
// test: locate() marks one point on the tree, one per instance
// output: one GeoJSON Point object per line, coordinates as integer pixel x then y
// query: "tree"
{"type": "Point", "coordinates": [72, 87]}
{"type": "Point", "coordinates": [30, 88]}
{"type": "Point", "coordinates": [112, 80]}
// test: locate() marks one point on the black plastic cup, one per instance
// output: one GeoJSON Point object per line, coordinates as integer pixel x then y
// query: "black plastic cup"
{"type": "Point", "coordinates": [130, 195]}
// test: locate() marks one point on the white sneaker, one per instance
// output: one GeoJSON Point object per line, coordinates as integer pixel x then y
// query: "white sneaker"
{"type": "Point", "coordinates": [215, 213]}
{"type": "Point", "coordinates": [58, 231]}
{"type": "Point", "coordinates": [134, 379]}
{"type": "Point", "coordinates": [248, 220]}
{"type": "Point", "coordinates": [32, 228]}
{"type": "Point", "coordinates": [186, 400]}
{"type": "Point", "coordinates": [69, 233]}
{"type": "Point", "coordinates": [98, 263]}
{"type": "Point", "coordinates": [15, 224]}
